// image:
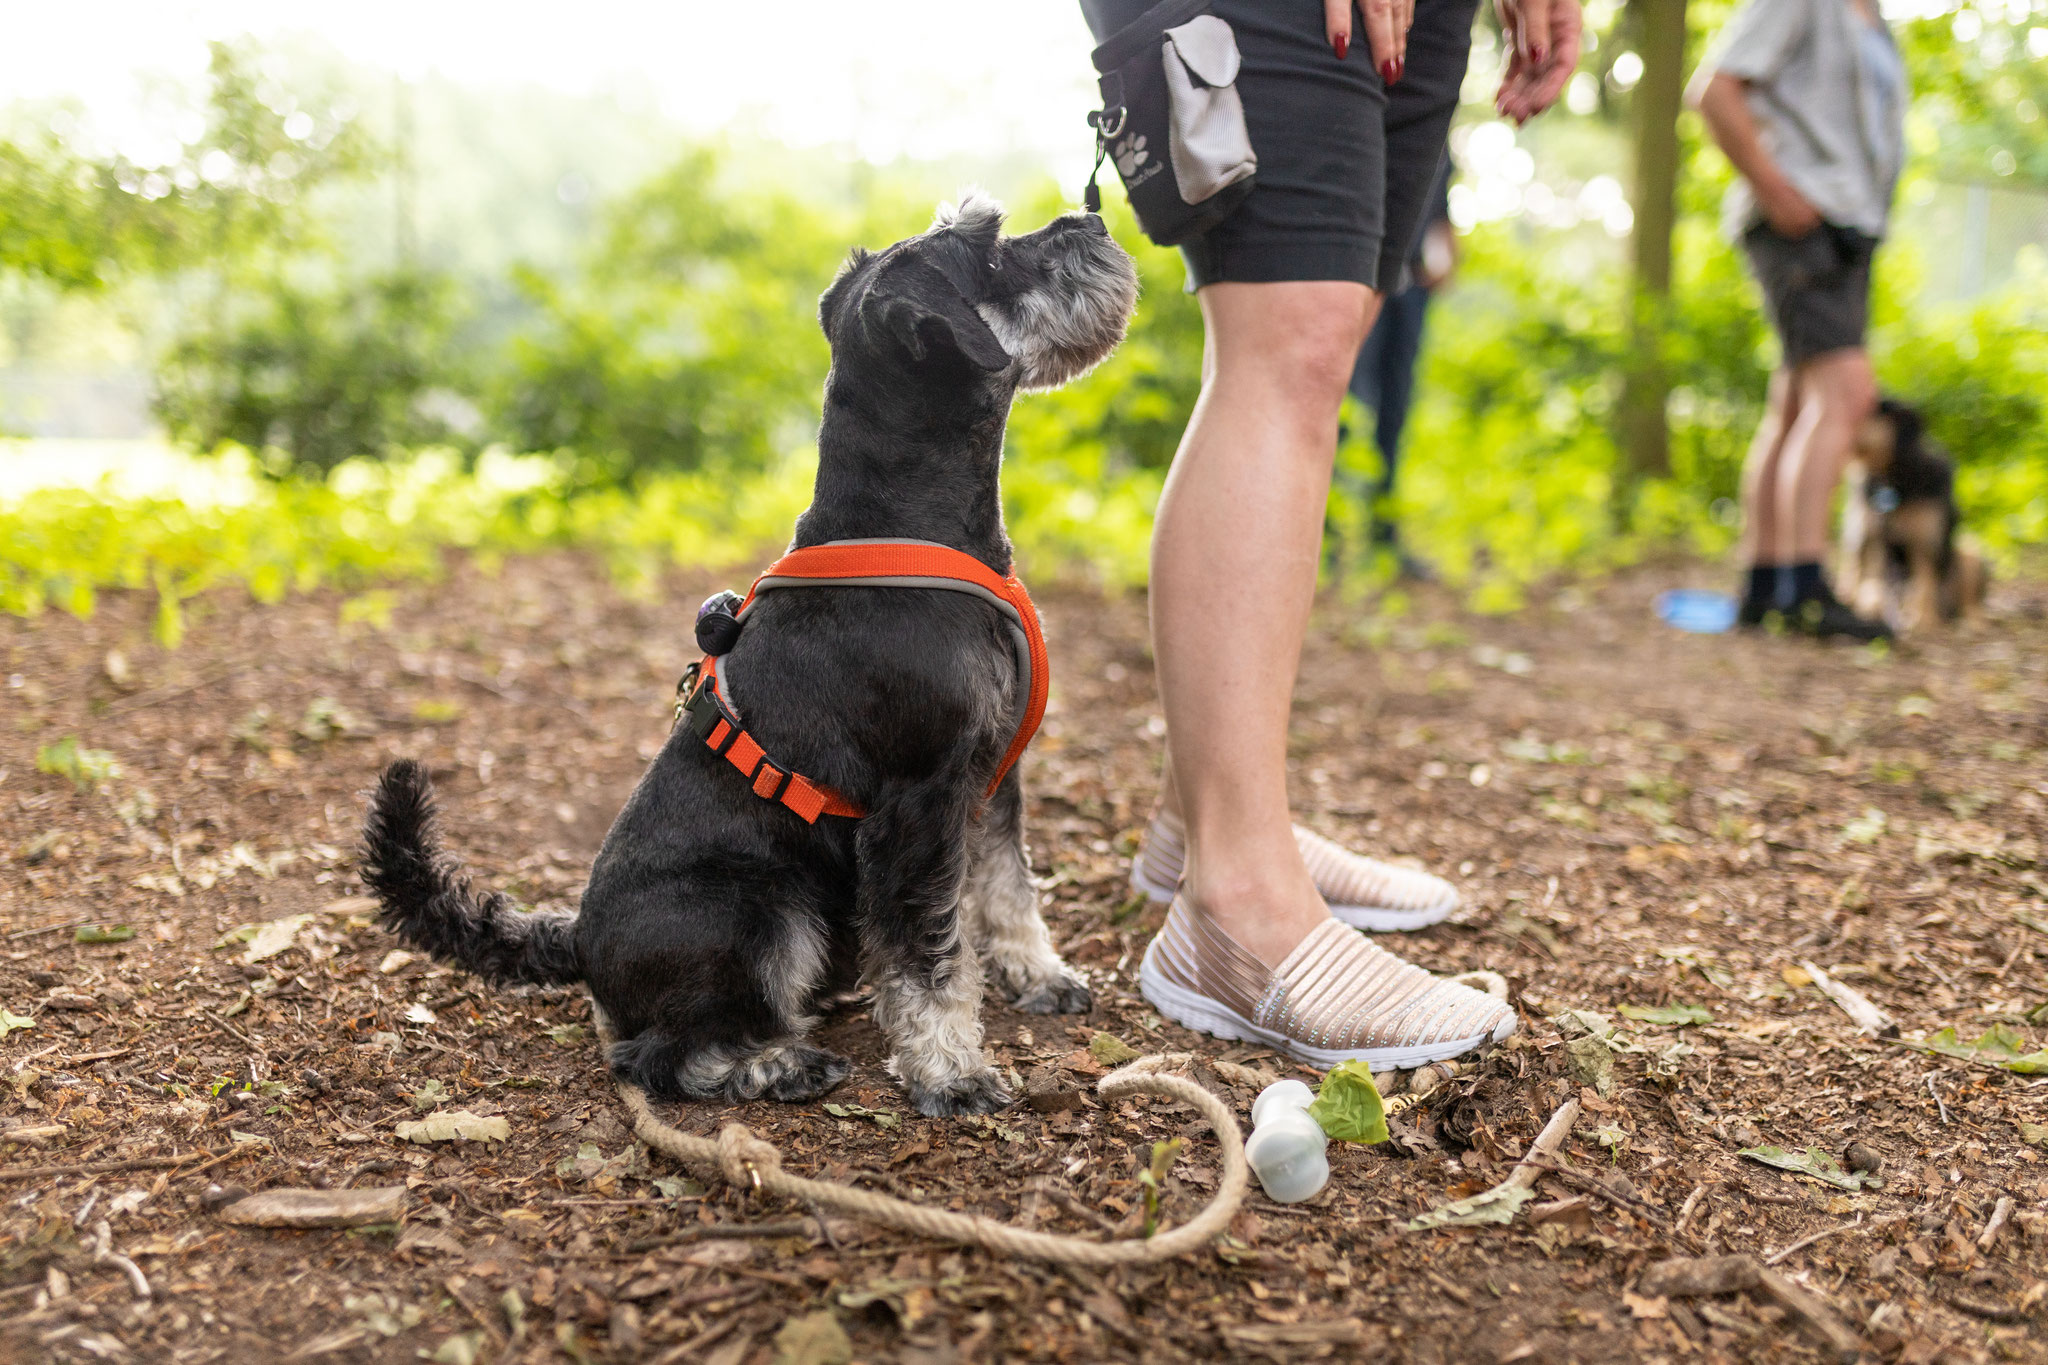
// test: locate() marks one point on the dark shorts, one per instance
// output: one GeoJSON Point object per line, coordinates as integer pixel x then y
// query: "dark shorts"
{"type": "Point", "coordinates": [1816, 287]}
{"type": "Point", "coordinates": [1346, 163]}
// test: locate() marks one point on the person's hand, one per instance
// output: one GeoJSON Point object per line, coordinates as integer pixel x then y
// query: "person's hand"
{"type": "Point", "coordinates": [1543, 51]}
{"type": "Point", "coordinates": [1386, 29]}
{"type": "Point", "coordinates": [1786, 210]}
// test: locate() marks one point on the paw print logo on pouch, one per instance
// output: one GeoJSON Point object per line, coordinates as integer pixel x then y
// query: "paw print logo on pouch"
{"type": "Point", "coordinates": [1130, 153]}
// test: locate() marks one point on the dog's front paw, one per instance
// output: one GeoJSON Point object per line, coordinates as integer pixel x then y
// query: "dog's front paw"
{"type": "Point", "coordinates": [978, 1092]}
{"type": "Point", "coordinates": [1065, 993]}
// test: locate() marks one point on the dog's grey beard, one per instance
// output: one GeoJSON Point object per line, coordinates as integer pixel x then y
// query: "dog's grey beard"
{"type": "Point", "coordinates": [1059, 333]}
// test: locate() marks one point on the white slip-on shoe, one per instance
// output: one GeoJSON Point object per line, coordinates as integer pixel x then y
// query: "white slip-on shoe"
{"type": "Point", "coordinates": [1363, 892]}
{"type": "Point", "coordinates": [1337, 997]}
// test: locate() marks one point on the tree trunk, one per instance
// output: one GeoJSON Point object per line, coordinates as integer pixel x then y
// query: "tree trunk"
{"type": "Point", "coordinates": [1659, 28]}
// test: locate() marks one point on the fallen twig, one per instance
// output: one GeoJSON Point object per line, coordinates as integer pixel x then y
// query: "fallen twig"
{"type": "Point", "coordinates": [1938, 1103]}
{"type": "Point", "coordinates": [1990, 1312]}
{"type": "Point", "coordinates": [145, 1163]}
{"type": "Point", "coordinates": [774, 1227]}
{"type": "Point", "coordinates": [1546, 1144]}
{"type": "Point", "coordinates": [103, 1253]}
{"type": "Point", "coordinates": [1854, 1003]}
{"type": "Point", "coordinates": [1710, 1275]}
{"type": "Point", "coordinates": [164, 694]}
{"type": "Point", "coordinates": [1692, 1202]}
{"type": "Point", "coordinates": [1805, 1242]}
{"type": "Point", "coordinates": [1999, 1213]}
{"type": "Point", "coordinates": [1812, 1311]}
{"type": "Point", "coordinates": [1650, 1212]}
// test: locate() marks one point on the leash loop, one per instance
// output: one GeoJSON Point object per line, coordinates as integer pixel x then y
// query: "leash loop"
{"type": "Point", "coordinates": [746, 1161]}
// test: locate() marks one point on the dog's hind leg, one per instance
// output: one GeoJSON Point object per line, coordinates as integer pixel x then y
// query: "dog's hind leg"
{"type": "Point", "coordinates": [999, 908]}
{"type": "Point", "coordinates": [732, 1020]}
{"type": "Point", "coordinates": [925, 974]}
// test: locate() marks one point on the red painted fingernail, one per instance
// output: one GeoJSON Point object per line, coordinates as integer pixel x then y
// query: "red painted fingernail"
{"type": "Point", "coordinates": [1390, 71]}
{"type": "Point", "coordinates": [1341, 44]}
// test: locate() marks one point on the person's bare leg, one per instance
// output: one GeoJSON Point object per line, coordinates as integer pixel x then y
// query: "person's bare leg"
{"type": "Point", "coordinates": [1760, 472]}
{"type": "Point", "coordinates": [1234, 556]}
{"type": "Point", "coordinates": [1837, 391]}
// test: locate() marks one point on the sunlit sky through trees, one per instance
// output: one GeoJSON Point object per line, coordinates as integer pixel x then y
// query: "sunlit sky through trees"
{"type": "Point", "coordinates": [879, 78]}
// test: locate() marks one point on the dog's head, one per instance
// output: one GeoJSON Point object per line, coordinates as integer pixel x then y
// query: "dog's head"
{"type": "Point", "coordinates": [961, 302]}
{"type": "Point", "coordinates": [1892, 430]}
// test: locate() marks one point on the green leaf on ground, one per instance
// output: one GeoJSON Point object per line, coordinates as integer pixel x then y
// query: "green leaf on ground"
{"type": "Point", "coordinates": [2034, 1134]}
{"type": "Point", "coordinates": [10, 1021]}
{"type": "Point", "coordinates": [1348, 1105]}
{"type": "Point", "coordinates": [1668, 1014]}
{"type": "Point", "coordinates": [1811, 1162]}
{"type": "Point", "coordinates": [567, 1034]}
{"type": "Point", "coordinates": [85, 768]}
{"type": "Point", "coordinates": [2001, 1045]}
{"type": "Point", "coordinates": [1110, 1050]}
{"type": "Point", "coordinates": [1497, 1205]}
{"type": "Point", "coordinates": [96, 933]}
{"type": "Point", "coordinates": [1867, 828]}
{"type": "Point", "coordinates": [429, 1095]}
{"type": "Point", "coordinates": [676, 1187]}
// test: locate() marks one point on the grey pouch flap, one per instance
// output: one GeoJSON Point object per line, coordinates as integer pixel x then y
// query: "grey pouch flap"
{"type": "Point", "coordinates": [1209, 145]}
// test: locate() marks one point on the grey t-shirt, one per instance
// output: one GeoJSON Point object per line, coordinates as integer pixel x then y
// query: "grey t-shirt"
{"type": "Point", "coordinates": [1834, 123]}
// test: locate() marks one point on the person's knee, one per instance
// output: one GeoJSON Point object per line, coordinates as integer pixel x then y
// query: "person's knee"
{"type": "Point", "coordinates": [1844, 385]}
{"type": "Point", "coordinates": [1303, 338]}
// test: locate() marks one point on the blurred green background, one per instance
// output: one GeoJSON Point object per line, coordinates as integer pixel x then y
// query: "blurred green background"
{"type": "Point", "coordinates": [341, 320]}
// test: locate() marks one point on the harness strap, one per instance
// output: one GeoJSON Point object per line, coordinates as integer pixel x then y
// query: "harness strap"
{"type": "Point", "coordinates": [710, 720]}
{"type": "Point", "coordinates": [715, 719]}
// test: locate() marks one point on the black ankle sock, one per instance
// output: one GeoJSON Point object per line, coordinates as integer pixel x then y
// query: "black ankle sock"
{"type": "Point", "coordinates": [1806, 582]}
{"type": "Point", "coordinates": [1761, 587]}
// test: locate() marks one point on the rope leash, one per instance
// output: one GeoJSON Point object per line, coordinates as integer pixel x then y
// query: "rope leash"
{"type": "Point", "coordinates": [747, 1161]}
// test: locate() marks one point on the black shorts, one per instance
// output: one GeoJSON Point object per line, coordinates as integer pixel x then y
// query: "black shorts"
{"type": "Point", "coordinates": [1816, 287]}
{"type": "Point", "coordinates": [1345, 161]}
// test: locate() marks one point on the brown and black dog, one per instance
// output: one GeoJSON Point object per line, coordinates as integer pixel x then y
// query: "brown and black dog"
{"type": "Point", "coordinates": [1904, 559]}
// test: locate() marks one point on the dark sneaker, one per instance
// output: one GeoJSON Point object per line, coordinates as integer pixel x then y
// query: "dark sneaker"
{"type": "Point", "coordinates": [1823, 616]}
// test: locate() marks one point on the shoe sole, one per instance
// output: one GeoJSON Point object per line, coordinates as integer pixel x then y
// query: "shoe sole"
{"type": "Point", "coordinates": [1218, 1020]}
{"type": "Point", "coordinates": [1374, 919]}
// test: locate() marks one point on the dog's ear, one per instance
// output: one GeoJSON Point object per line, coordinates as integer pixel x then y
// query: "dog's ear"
{"type": "Point", "coordinates": [1907, 423]}
{"type": "Point", "coordinates": [829, 303]}
{"type": "Point", "coordinates": [931, 332]}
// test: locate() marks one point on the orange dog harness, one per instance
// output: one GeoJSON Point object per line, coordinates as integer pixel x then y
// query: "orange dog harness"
{"type": "Point", "coordinates": [704, 698]}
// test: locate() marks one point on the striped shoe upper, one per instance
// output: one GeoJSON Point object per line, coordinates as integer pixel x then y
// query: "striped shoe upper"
{"type": "Point", "coordinates": [1337, 990]}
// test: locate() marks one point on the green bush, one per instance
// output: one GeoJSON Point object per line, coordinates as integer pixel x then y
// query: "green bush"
{"type": "Point", "coordinates": [323, 373]}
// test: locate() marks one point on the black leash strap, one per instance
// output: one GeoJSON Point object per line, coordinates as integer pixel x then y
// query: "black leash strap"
{"type": "Point", "coordinates": [1107, 122]}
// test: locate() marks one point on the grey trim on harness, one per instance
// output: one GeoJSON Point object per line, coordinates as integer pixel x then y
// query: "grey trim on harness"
{"type": "Point", "coordinates": [1020, 642]}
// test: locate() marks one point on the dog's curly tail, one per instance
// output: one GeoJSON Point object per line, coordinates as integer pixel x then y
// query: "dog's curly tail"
{"type": "Point", "coordinates": [429, 903]}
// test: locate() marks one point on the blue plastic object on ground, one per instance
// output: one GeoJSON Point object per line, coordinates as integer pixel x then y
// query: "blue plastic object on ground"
{"type": "Point", "coordinates": [1697, 610]}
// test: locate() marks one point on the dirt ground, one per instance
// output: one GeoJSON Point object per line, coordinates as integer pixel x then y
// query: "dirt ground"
{"type": "Point", "coordinates": [1639, 818]}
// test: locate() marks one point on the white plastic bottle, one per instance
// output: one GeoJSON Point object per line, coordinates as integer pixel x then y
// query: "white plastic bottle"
{"type": "Point", "coordinates": [1288, 1150]}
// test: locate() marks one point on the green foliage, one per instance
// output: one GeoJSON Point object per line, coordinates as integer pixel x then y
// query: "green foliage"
{"type": "Point", "coordinates": [321, 373]}
{"type": "Point", "coordinates": [238, 188]}
{"type": "Point", "coordinates": [1980, 92]}
{"type": "Point", "coordinates": [85, 768]}
{"type": "Point", "coordinates": [689, 339]}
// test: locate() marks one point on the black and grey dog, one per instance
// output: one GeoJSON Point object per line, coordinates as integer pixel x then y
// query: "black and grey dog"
{"type": "Point", "coordinates": [717, 925]}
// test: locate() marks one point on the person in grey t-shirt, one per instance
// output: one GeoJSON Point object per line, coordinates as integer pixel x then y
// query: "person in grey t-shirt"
{"type": "Point", "coordinates": [1808, 100]}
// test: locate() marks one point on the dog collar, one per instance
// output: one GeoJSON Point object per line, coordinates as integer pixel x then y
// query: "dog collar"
{"type": "Point", "coordinates": [704, 696]}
